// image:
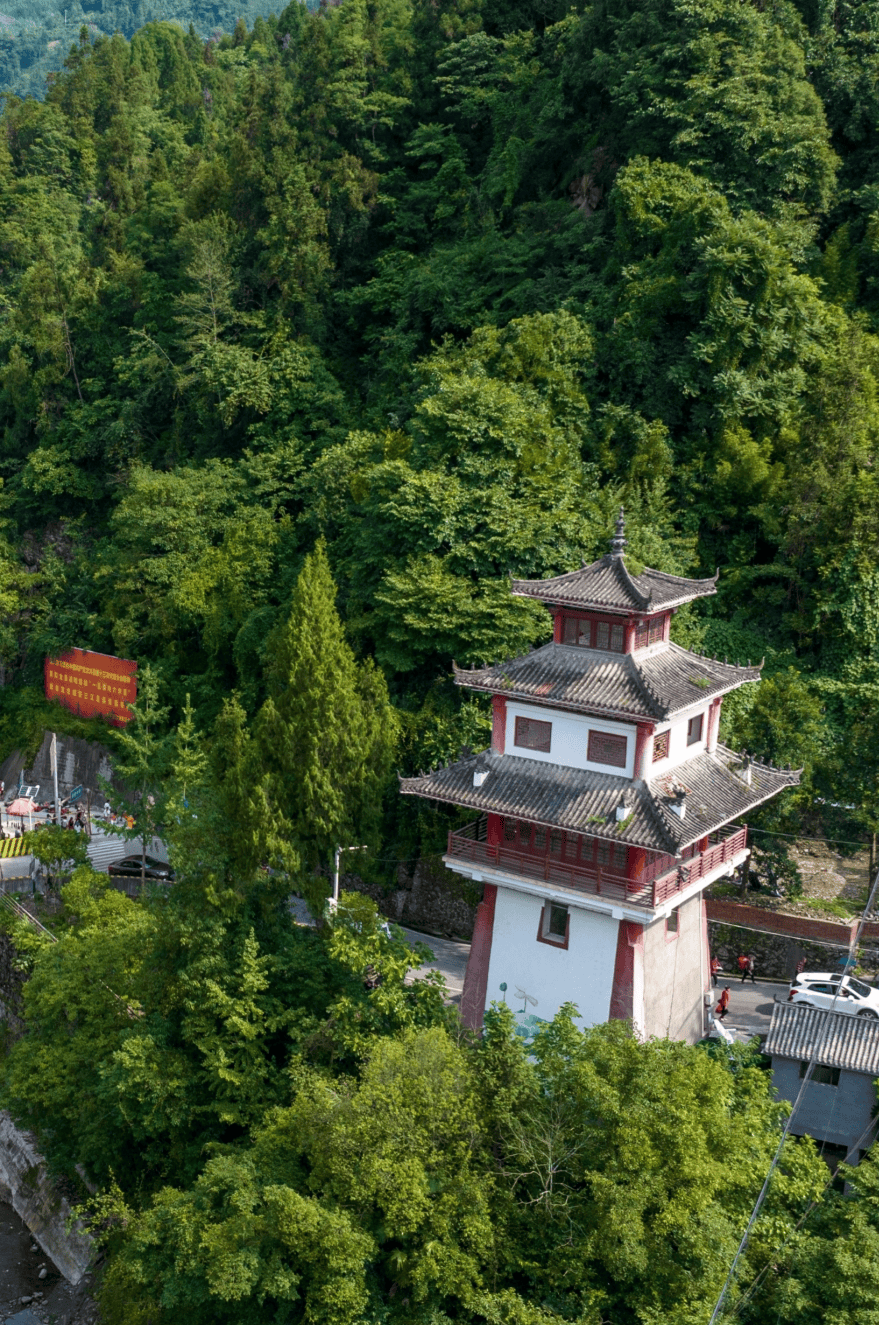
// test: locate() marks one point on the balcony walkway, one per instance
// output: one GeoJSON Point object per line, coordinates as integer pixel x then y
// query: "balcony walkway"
{"type": "Point", "coordinates": [470, 844]}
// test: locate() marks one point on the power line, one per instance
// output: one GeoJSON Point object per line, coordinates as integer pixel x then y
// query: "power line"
{"type": "Point", "coordinates": [807, 1076]}
{"type": "Point", "coordinates": [799, 837]}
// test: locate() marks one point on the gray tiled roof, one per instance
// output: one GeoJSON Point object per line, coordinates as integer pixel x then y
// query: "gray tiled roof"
{"type": "Point", "coordinates": [585, 802]}
{"type": "Point", "coordinates": [650, 684]}
{"type": "Point", "coordinates": [608, 584]}
{"type": "Point", "coordinates": [842, 1040]}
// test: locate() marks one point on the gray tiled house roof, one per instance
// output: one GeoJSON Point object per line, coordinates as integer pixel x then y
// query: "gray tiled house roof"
{"type": "Point", "coordinates": [841, 1040]}
{"type": "Point", "coordinates": [607, 584]}
{"type": "Point", "coordinates": [585, 802]}
{"type": "Point", "coordinates": [649, 684]}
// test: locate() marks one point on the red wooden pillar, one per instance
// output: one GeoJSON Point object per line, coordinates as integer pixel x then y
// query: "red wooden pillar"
{"type": "Point", "coordinates": [558, 626]}
{"type": "Point", "coordinates": [476, 978]}
{"type": "Point", "coordinates": [628, 973]}
{"type": "Point", "coordinates": [495, 830]}
{"type": "Point", "coordinates": [713, 724]}
{"type": "Point", "coordinates": [498, 723]}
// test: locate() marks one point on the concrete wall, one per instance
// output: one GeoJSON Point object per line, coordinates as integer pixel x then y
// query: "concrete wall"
{"type": "Point", "coordinates": [675, 975]}
{"type": "Point", "coordinates": [581, 974]}
{"type": "Point", "coordinates": [26, 1185]}
{"type": "Point", "coordinates": [836, 1114]}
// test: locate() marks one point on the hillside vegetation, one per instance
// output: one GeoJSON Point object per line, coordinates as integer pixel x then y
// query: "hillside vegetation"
{"type": "Point", "coordinates": [311, 337]}
{"type": "Point", "coordinates": [444, 284]}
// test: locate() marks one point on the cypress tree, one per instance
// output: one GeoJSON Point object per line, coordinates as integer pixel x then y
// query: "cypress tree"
{"type": "Point", "coordinates": [327, 730]}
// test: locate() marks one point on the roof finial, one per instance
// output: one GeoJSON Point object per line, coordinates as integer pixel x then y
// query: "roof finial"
{"type": "Point", "coordinates": [619, 541]}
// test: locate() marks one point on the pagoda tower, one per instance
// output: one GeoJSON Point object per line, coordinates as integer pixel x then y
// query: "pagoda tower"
{"type": "Point", "coordinates": [604, 807]}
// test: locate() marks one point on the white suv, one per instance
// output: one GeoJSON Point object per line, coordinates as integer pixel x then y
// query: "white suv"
{"type": "Point", "coordinates": [818, 988]}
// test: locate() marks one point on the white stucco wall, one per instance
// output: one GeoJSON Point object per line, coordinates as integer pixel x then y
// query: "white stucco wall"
{"type": "Point", "coordinates": [679, 751]}
{"type": "Point", "coordinates": [581, 974]}
{"type": "Point", "coordinates": [570, 738]}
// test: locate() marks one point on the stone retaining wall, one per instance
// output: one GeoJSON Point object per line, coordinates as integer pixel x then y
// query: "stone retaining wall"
{"type": "Point", "coordinates": [26, 1185]}
{"type": "Point", "coordinates": [434, 900]}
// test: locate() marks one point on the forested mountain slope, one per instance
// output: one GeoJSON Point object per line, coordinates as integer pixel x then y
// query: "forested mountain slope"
{"type": "Point", "coordinates": [445, 283]}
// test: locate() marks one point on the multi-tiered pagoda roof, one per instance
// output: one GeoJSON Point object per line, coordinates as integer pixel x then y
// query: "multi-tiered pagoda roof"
{"type": "Point", "coordinates": [718, 787]}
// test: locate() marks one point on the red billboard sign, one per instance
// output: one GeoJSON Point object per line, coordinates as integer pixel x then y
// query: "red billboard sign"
{"type": "Point", "coordinates": [92, 684]}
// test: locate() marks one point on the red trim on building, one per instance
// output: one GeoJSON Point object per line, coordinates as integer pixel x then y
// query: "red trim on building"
{"type": "Point", "coordinates": [630, 635]}
{"type": "Point", "coordinates": [558, 625]}
{"type": "Point", "coordinates": [643, 750]}
{"type": "Point", "coordinates": [494, 833]}
{"type": "Point", "coordinates": [498, 723]}
{"type": "Point", "coordinates": [713, 725]}
{"type": "Point", "coordinates": [630, 938]}
{"type": "Point", "coordinates": [476, 977]}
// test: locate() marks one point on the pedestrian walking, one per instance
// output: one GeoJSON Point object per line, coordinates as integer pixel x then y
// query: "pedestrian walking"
{"type": "Point", "coordinates": [715, 970]}
{"type": "Point", "coordinates": [748, 970]}
{"type": "Point", "coordinates": [722, 1004]}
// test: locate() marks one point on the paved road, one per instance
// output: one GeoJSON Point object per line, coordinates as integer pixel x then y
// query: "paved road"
{"type": "Point", "coordinates": [451, 960]}
{"type": "Point", "coordinates": [750, 1005]}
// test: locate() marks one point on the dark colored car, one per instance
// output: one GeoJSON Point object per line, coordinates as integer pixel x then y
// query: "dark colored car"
{"type": "Point", "coordinates": [129, 867]}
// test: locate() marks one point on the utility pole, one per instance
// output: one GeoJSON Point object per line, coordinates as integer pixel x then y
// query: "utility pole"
{"type": "Point", "coordinates": [55, 778]}
{"type": "Point", "coordinates": [334, 900]}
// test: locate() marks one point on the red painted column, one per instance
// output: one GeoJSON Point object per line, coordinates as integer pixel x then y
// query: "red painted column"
{"type": "Point", "coordinates": [713, 724]}
{"type": "Point", "coordinates": [476, 977]}
{"type": "Point", "coordinates": [494, 832]}
{"type": "Point", "coordinates": [498, 723]}
{"type": "Point", "coordinates": [558, 626]}
{"type": "Point", "coordinates": [643, 750]}
{"type": "Point", "coordinates": [630, 635]}
{"type": "Point", "coordinates": [628, 967]}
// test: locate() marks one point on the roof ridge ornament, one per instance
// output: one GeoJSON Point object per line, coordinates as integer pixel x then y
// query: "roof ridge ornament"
{"type": "Point", "coordinates": [619, 542]}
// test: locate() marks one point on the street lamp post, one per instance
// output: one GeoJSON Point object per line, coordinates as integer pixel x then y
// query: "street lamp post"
{"type": "Point", "coordinates": [334, 900]}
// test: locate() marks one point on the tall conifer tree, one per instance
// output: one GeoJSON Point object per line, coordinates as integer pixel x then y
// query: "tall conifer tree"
{"type": "Point", "coordinates": [327, 728]}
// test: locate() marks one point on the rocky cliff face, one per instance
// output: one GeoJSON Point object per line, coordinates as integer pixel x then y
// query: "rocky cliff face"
{"type": "Point", "coordinates": [80, 764]}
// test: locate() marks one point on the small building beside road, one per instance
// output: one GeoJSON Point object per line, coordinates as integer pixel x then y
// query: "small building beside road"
{"type": "Point", "coordinates": [839, 1101]}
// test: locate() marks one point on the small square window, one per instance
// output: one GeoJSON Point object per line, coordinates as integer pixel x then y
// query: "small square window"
{"type": "Point", "coordinates": [554, 925]}
{"type": "Point", "coordinates": [821, 1075]}
{"type": "Point", "coordinates": [558, 920]}
{"type": "Point", "coordinates": [533, 735]}
{"type": "Point", "coordinates": [694, 730]}
{"type": "Point", "coordinates": [672, 920]}
{"type": "Point", "coordinates": [660, 746]}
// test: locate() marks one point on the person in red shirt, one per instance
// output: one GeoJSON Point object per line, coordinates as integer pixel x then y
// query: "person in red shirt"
{"type": "Point", "coordinates": [715, 970]}
{"type": "Point", "coordinates": [723, 1004]}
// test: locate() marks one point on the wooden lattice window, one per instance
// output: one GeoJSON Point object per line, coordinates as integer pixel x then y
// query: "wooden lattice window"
{"type": "Point", "coordinates": [660, 746]}
{"type": "Point", "coordinates": [532, 734]}
{"type": "Point", "coordinates": [642, 635]}
{"type": "Point", "coordinates": [609, 636]}
{"type": "Point", "coordinates": [605, 748]}
{"type": "Point", "coordinates": [657, 630]}
{"type": "Point", "coordinates": [509, 830]}
{"type": "Point", "coordinates": [578, 631]}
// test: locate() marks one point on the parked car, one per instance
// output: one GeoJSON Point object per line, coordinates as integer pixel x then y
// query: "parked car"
{"type": "Point", "coordinates": [818, 989]}
{"type": "Point", "coordinates": [129, 867]}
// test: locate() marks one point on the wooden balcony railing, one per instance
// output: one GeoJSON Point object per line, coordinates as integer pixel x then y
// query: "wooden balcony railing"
{"type": "Point", "coordinates": [648, 890]}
